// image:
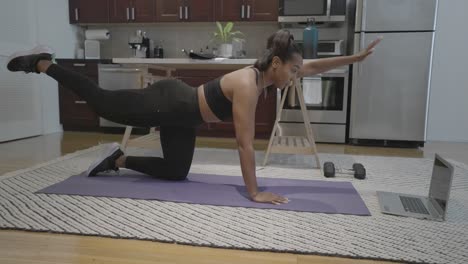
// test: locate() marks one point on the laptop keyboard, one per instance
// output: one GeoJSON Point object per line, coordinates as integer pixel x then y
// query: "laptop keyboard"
{"type": "Point", "coordinates": [413, 205]}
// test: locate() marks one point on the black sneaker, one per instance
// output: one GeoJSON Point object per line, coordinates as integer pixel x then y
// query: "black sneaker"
{"type": "Point", "coordinates": [26, 61]}
{"type": "Point", "coordinates": [107, 161]}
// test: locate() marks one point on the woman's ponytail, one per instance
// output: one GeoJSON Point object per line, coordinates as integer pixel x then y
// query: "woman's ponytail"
{"type": "Point", "coordinates": [279, 44]}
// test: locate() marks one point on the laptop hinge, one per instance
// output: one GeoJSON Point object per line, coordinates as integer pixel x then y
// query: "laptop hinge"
{"type": "Point", "coordinates": [435, 205]}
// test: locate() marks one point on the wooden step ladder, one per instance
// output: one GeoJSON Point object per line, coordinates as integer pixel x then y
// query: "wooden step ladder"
{"type": "Point", "coordinates": [293, 144]}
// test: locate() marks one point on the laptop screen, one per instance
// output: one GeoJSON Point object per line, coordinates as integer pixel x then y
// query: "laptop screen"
{"type": "Point", "coordinates": [440, 183]}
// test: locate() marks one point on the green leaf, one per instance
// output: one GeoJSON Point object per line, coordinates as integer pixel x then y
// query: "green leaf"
{"type": "Point", "coordinates": [237, 33]}
{"type": "Point", "coordinates": [221, 31]}
{"type": "Point", "coordinates": [228, 28]}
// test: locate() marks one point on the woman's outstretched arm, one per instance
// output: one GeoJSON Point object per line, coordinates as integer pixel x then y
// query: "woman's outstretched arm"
{"type": "Point", "coordinates": [322, 65]}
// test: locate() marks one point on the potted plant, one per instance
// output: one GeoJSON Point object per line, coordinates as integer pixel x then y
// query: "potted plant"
{"type": "Point", "coordinates": [225, 36]}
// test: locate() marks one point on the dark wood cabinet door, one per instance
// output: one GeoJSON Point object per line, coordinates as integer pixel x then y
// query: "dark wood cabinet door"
{"type": "Point", "coordinates": [89, 11]}
{"type": "Point", "coordinates": [143, 11]}
{"type": "Point", "coordinates": [262, 10]}
{"type": "Point", "coordinates": [120, 11]}
{"type": "Point", "coordinates": [229, 10]}
{"type": "Point", "coordinates": [265, 114]}
{"type": "Point", "coordinates": [200, 10]}
{"type": "Point", "coordinates": [75, 113]}
{"type": "Point", "coordinates": [169, 10]}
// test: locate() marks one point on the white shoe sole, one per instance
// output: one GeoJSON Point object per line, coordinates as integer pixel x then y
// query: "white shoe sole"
{"type": "Point", "coordinates": [36, 50]}
{"type": "Point", "coordinates": [111, 149]}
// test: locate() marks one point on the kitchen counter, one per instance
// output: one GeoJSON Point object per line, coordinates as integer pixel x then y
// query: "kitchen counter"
{"type": "Point", "coordinates": [215, 64]}
{"type": "Point", "coordinates": [185, 63]}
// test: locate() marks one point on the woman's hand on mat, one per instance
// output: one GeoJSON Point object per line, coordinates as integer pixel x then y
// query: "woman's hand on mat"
{"type": "Point", "coordinates": [267, 197]}
{"type": "Point", "coordinates": [369, 50]}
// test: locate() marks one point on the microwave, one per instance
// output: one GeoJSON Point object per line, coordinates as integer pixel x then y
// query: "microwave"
{"type": "Point", "coordinates": [294, 11]}
{"type": "Point", "coordinates": [326, 48]}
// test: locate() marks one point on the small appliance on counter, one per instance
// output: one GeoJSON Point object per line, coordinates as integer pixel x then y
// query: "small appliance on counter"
{"type": "Point", "coordinates": [140, 45]}
{"type": "Point", "coordinates": [92, 44]}
{"type": "Point", "coordinates": [198, 55]}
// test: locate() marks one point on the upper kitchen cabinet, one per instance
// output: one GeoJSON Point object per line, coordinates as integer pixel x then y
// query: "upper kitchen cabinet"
{"type": "Point", "coordinates": [262, 10]}
{"type": "Point", "coordinates": [229, 10]}
{"type": "Point", "coordinates": [185, 10]}
{"type": "Point", "coordinates": [246, 10]}
{"type": "Point", "coordinates": [200, 10]}
{"type": "Point", "coordinates": [129, 11]}
{"type": "Point", "coordinates": [88, 11]}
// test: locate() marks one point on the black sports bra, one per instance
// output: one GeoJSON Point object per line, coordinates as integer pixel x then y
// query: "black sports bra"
{"type": "Point", "coordinates": [217, 101]}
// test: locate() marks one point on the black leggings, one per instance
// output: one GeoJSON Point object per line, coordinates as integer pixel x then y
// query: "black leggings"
{"type": "Point", "coordinates": [170, 104]}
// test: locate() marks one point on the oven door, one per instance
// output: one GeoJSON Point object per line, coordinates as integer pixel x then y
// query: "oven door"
{"type": "Point", "coordinates": [325, 99]}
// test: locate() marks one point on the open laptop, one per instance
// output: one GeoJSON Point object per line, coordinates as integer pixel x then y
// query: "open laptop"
{"type": "Point", "coordinates": [432, 207]}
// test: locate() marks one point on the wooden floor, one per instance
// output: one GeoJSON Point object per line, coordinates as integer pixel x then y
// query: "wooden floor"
{"type": "Point", "coordinates": [31, 247]}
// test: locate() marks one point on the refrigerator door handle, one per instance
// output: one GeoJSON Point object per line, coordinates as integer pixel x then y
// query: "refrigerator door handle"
{"type": "Point", "coordinates": [364, 15]}
{"type": "Point", "coordinates": [361, 47]}
{"type": "Point", "coordinates": [328, 8]}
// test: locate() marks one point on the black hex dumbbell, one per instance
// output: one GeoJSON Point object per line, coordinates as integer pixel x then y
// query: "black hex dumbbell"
{"type": "Point", "coordinates": [358, 170]}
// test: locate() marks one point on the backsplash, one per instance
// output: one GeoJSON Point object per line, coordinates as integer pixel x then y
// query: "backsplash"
{"type": "Point", "coordinates": [178, 36]}
{"type": "Point", "coordinates": [196, 36]}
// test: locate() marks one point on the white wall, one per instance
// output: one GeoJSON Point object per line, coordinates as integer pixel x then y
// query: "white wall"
{"type": "Point", "coordinates": [448, 106]}
{"type": "Point", "coordinates": [20, 106]}
{"type": "Point", "coordinates": [54, 30]}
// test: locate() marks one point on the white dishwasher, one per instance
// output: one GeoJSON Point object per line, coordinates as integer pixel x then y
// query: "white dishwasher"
{"type": "Point", "coordinates": [117, 77]}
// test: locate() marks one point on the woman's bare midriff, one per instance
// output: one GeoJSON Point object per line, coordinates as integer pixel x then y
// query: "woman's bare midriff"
{"type": "Point", "coordinates": [205, 111]}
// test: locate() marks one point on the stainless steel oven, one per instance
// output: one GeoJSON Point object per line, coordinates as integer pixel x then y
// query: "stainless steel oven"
{"type": "Point", "coordinates": [326, 98]}
{"type": "Point", "coordinates": [320, 10]}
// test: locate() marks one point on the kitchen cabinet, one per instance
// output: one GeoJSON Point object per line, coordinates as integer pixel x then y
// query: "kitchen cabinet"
{"type": "Point", "coordinates": [75, 114]}
{"type": "Point", "coordinates": [88, 11]}
{"type": "Point", "coordinates": [131, 11]}
{"type": "Point", "coordinates": [264, 117]}
{"type": "Point", "coordinates": [246, 10]}
{"type": "Point", "coordinates": [147, 11]}
{"type": "Point", "coordinates": [185, 10]}
{"type": "Point", "coordinates": [262, 10]}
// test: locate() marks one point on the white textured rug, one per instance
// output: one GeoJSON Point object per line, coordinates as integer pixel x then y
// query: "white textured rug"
{"type": "Point", "coordinates": [379, 236]}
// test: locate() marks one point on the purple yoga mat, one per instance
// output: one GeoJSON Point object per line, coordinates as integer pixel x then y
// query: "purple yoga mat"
{"type": "Point", "coordinates": [304, 195]}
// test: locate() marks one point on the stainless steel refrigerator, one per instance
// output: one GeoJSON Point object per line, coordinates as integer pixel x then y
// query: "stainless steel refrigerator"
{"type": "Point", "coordinates": [390, 89]}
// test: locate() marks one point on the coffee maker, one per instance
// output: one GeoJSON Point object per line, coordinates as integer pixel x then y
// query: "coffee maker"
{"type": "Point", "coordinates": [139, 44]}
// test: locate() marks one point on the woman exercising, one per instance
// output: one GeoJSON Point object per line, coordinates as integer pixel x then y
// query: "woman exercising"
{"type": "Point", "coordinates": [178, 108]}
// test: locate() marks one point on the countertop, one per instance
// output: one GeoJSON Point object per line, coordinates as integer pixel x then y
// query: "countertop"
{"type": "Point", "coordinates": [186, 63]}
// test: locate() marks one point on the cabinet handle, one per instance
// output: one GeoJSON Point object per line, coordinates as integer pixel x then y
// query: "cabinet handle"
{"type": "Point", "coordinates": [186, 12]}
{"type": "Point", "coordinates": [243, 11]}
{"type": "Point", "coordinates": [133, 13]}
{"type": "Point", "coordinates": [128, 14]}
{"type": "Point", "coordinates": [80, 102]}
{"type": "Point", "coordinates": [76, 14]}
{"type": "Point", "coordinates": [79, 64]}
{"type": "Point", "coordinates": [180, 13]}
{"type": "Point", "coordinates": [248, 11]}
